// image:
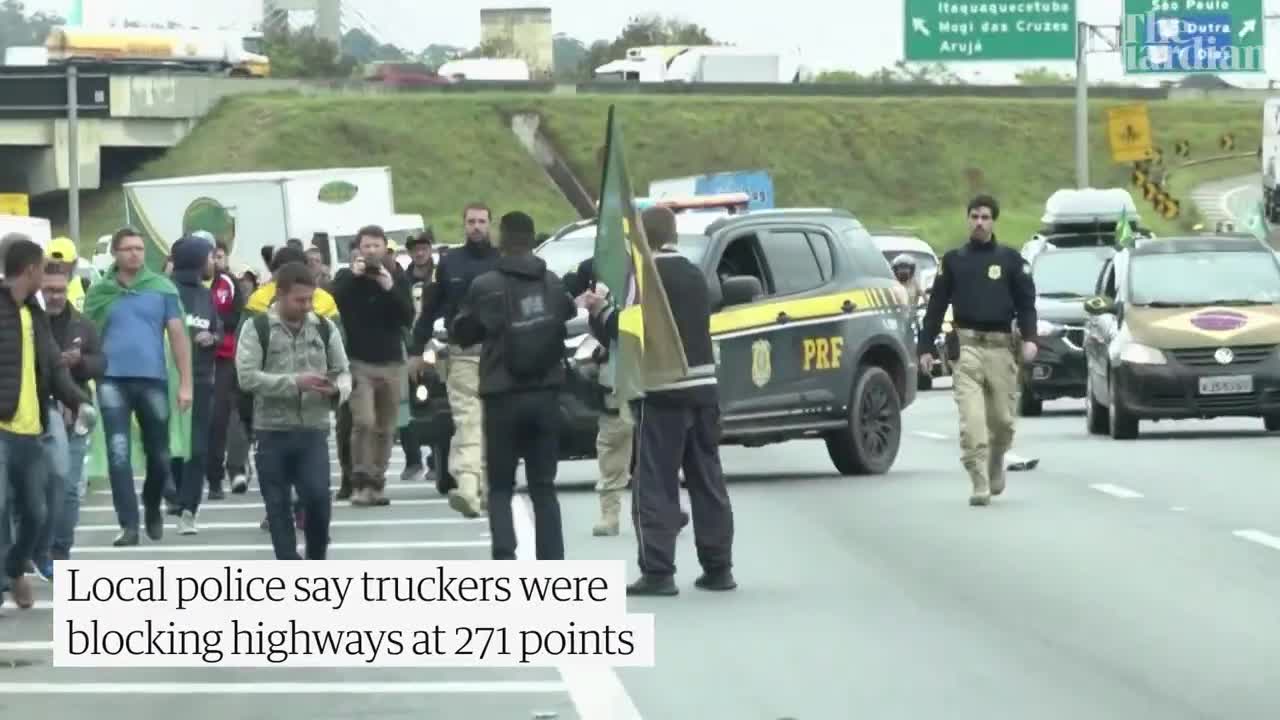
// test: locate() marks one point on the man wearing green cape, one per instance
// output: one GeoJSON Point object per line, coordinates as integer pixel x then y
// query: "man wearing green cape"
{"type": "Point", "coordinates": [134, 309]}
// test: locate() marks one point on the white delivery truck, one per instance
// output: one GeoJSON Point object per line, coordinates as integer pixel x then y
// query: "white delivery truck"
{"type": "Point", "coordinates": [26, 56]}
{"type": "Point", "coordinates": [1270, 151]}
{"type": "Point", "coordinates": [36, 228]}
{"type": "Point", "coordinates": [491, 69]}
{"type": "Point", "coordinates": [250, 211]}
{"type": "Point", "coordinates": [705, 64]}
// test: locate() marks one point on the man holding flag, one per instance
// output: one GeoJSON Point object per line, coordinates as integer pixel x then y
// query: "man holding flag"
{"type": "Point", "coordinates": [663, 366]}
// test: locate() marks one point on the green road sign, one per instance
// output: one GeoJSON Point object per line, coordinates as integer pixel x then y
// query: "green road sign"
{"type": "Point", "coordinates": [1192, 37]}
{"type": "Point", "coordinates": [982, 30]}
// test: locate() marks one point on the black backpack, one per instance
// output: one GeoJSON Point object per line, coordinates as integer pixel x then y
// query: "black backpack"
{"type": "Point", "coordinates": [534, 341]}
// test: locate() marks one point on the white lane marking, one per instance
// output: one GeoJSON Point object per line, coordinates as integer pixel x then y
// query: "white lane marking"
{"type": "Point", "coordinates": [929, 435]}
{"type": "Point", "coordinates": [1225, 202]}
{"type": "Point", "coordinates": [1117, 491]}
{"type": "Point", "coordinates": [391, 487]}
{"type": "Point", "coordinates": [37, 646]}
{"type": "Point", "coordinates": [332, 523]}
{"type": "Point", "coordinates": [597, 693]}
{"type": "Point", "coordinates": [1178, 508]}
{"type": "Point", "coordinates": [297, 688]}
{"type": "Point", "coordinates": [193, 548]}
{"type": "Point", "coordinates": [258, 505]}
{"type": "Point", "coordinates": [8, 610]}
{"type": "Point", "coordinates": [1257, 536]}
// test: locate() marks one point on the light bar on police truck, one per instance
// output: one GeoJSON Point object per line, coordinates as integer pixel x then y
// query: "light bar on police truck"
{"type": "Point", "coordinates": [733, 202]}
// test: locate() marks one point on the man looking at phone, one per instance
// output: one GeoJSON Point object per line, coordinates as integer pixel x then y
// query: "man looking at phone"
{"type": "Point", "coordinates": [376, 303]}
{"type": "Point", "coordinates": [294, 389]}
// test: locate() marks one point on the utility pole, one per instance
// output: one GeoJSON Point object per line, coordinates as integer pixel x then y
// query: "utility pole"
{"type": "Point", "coordinates": [1082, 105]}
{"type": "Point", "coordinates": [1084, 34]}
{"type": "Point", "coordinates": [73, 152]}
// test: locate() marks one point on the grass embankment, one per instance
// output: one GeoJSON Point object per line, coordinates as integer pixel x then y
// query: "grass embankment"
{"type": "Point", "coordinates": [912, 162]}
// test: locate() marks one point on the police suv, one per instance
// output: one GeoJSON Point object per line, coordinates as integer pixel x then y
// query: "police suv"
{"type": "Point", "coordinates": [811, 339]}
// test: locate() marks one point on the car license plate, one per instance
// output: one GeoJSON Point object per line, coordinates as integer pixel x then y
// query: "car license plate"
{"type": "Point", "coordinates": [1226, 385]}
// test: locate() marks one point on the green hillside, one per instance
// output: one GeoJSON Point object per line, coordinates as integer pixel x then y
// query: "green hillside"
{"type": "Point", "coordinates": [892, 161]}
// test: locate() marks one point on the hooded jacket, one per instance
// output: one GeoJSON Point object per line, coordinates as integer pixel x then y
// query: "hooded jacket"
{"type": "Point", "coordinates": [482, 318]}
{"type": "Point", "coordinates": [190, 258]}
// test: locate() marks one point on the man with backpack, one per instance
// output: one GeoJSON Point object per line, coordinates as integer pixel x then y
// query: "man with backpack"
{"type": "Point", "coordinates": [294, 389]}
{"type": "Point", "coordinates": [517, 313]}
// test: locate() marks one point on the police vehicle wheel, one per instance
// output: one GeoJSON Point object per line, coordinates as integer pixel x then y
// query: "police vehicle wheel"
{"type": "Point", "coordinates": [1095, 415]}
{"type": "Point", "coordinates": [869, 445]}
{"type": "Point", "coordinates": [1271, 423]}
{"type": "Point", "coordinates": [1124, 426]}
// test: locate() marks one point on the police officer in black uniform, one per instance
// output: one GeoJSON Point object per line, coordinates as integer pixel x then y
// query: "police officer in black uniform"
{"type": "Point", "coordinates": [989, 286]}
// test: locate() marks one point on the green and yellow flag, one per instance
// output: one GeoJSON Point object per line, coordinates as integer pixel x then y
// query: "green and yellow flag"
{"type": "Point", "coordinates": [649, 351]}
{"type": "Point", "coordinates": [1124, 233]}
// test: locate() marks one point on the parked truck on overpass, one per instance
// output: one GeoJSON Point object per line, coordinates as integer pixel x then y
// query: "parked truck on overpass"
{"type": "Point", "coordinates": [236, 54]}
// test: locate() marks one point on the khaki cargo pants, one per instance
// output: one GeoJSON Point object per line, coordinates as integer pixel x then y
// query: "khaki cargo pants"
{"type": "Point", "coordinates": [615, 440]}
{"type": "Point", "coordinates": [986, 393]}
{"type": "Point", "coordinates": [466, 449]}
{"type": "Point", "coordinates": [375, 406]}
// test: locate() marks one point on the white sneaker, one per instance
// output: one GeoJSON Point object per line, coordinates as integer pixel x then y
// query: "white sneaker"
{"type": "Point", "coordinates": [239, 485]}
{"type": "Point", "coordinates": [187, 523]}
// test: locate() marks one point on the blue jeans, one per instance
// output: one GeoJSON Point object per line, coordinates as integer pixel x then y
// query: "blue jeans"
{"type": "Point", "coordinates": [119, 399]}
{"type": "Point", "coordinates": [297, 459]}
{"type": "Point", "coordinates": [65, 452]}
{"type": "Point", "coordinates": [24, 472]}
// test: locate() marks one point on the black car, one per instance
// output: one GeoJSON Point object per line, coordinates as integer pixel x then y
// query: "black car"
{"type": "Point", "coordinates": [1064, 278]}
{"type": "Point", "coordinates": [811, 339]}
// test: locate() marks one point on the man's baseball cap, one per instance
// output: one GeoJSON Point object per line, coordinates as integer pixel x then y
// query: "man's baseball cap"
{"type": "Point", "coordinates": [63, 250]}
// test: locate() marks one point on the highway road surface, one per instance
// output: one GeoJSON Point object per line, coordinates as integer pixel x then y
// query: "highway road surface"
{"type": "Point", "coordinates": [1117, 580]}
{"type": "Point", "coordinates": [1234, 199]}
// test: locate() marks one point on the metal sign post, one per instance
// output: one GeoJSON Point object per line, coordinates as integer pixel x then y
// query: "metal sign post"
{"type": "Point", "coordinates": [1087, 33]}
{"type": "Point", "coordinates": [73, 153]}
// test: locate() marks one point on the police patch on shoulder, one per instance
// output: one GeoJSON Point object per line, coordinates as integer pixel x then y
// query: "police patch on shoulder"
{"type": "Point", "coordinates": [993, 272]}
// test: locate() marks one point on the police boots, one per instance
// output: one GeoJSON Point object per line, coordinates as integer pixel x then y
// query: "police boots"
{"type": "Point", "coordinates": [610, 509]}
{"type": "Point", "coordinates": [995, 474]}
{"type": "Point", "coordinates": [981, 489]}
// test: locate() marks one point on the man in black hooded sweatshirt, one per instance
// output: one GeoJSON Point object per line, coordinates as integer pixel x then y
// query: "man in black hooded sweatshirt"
{"type": "Point", "coordinates": [192, 266]}
{"type": "Point", "coordinates": [517, 313]}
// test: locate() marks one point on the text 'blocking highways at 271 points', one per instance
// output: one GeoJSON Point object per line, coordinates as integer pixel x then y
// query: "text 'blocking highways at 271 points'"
{"type": "Point", "coordinates": [194, 613]}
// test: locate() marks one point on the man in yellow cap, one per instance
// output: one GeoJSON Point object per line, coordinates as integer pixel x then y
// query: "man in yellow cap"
{"type": "Point", "coordinates": [63, 250]}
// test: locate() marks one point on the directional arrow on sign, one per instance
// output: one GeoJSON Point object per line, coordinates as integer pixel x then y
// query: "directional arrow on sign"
{"type": "Point", "coordinates": [920, 27]}
{"type": "Point", "coordinates": [1248, 27]}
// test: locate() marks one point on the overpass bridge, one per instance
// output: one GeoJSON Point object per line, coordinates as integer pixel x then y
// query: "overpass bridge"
{"type": "Point", "coordinates": [119, 108]}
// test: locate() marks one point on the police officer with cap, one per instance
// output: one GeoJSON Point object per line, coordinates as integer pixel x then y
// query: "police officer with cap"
{"type": "Point", "coordinates": [989, 287]}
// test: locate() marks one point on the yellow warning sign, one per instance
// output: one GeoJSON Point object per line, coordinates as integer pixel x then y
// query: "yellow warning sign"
{"type": "Point", "coordinates": [1129, 129]}
{"type": "Point", "coordinates": [14, 204]}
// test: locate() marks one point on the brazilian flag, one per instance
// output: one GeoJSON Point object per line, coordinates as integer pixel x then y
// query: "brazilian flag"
{"type": "Point", "coordinates": [649, 351]}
